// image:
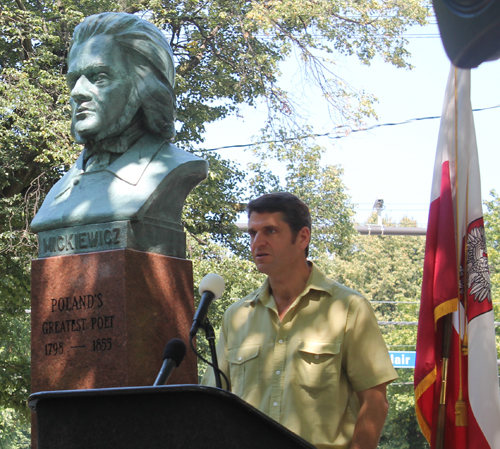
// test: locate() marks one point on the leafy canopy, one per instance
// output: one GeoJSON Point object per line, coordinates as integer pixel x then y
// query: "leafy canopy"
{"type": "Point", "coordinates": [229, 53]}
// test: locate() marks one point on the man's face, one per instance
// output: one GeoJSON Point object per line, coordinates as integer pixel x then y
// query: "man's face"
{"type": "Point", "coordinates": [100, 86]}
{"type": "Point", "coordinates": [272, 246]}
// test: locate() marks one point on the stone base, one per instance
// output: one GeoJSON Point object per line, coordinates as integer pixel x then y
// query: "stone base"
{"type": "Point", "coordinates": [102, 319]}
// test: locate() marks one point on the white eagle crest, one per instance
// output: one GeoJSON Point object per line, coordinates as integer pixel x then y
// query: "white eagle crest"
{"type": "Point", "coordinates": [478, 273]}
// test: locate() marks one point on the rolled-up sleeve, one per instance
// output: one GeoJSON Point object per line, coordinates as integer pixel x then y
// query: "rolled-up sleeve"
{"type": "Point", "coordinates": [366, 358]}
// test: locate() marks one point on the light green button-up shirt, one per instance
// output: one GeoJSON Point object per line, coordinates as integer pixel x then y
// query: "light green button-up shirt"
{"type": "Point", "coordinates": [304, 371]}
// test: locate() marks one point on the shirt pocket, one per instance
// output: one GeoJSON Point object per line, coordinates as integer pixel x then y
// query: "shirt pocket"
{"type": "Point", "coordinates": [244, 368]}
{"type": "Point", "coordinates": [318, 363]}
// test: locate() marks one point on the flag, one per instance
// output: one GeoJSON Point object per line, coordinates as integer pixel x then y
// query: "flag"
{"type": "Point", "coordinates": [456, 284]}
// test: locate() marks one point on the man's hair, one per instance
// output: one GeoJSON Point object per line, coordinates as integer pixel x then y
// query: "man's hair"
{"type": "Point", "coordinates": [293, 210]}
{"type": "Point", "coordinates": [152, 62]}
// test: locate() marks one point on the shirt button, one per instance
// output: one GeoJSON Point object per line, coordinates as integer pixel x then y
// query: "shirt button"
{"type": "Point", "coordinates": [316, 357]}
{"type": "Point", "coordinates": [76, 181]}
{"type": "Point", "coordinates": [278, 372]}
{"type": "Point", "coordinates": [239, 359]}
{"type": "Point", "coordinates": [275, 404]}
{"type": "Point", "coordinates": [280, 342]}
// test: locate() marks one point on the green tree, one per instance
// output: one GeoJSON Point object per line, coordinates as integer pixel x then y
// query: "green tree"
{"type": "Point", "coordinates": [492, 231]}
{"type": "Point", "coordinates": [228, 54]}
{"type": "Point", "coordinates": [14, 351]}
{"type": "Point", "coordinates": [319, 185]}
{"type": "Point", "coordinates": [388, 270]}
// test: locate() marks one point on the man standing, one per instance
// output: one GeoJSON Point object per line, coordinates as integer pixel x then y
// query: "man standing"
{"type": "Point", "coordinates": [302, 348]}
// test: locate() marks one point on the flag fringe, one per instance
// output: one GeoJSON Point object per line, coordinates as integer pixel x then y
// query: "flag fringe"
{"type": "Point", "coordinates": [425, 383]}
{"type": "Point", "coordinates": [445, 308]}
{"type": "Point", "coordinates": [424, 425]}
{"type": "Point", "coordinates": [420, 389]}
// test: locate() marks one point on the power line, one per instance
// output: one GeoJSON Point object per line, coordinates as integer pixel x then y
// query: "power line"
{"type": "Point", "coordinates": [402, 346]}
{"type": "Point", "coordinates": [410, 323]}
{"type": "Point", "coordinates": [398, 323]}
{"type": "Point", "coordinates": [335, 134]}
{"type": "Point", "coordinates": [409, 302]}
{"type": "Point", "coordinates": [268, 37]}
{"type": "Point", "coordinates": [395, 302]}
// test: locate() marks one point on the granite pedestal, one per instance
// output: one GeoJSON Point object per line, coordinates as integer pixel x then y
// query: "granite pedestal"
{"type": "Point", "coordinates": [101, 320]}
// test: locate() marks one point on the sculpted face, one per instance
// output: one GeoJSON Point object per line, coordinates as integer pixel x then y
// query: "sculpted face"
{"type": "Point", "coordinates": [101, 87]}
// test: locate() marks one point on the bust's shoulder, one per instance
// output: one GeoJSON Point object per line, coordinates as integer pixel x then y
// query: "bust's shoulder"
{"type": "Point", "coordinates": [139, 182]}
{"type": "Point", "coordinates": [152, 143]}
{"type": "Point", "coordinates": [173, 162]}
{"type": "Point", "coordinates": [150, 156]}
{"type": "Point", "coordinates": [169, 149]}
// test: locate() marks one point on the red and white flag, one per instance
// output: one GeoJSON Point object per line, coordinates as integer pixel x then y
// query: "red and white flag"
{"type": "Point", "coordinates": [456, 281]}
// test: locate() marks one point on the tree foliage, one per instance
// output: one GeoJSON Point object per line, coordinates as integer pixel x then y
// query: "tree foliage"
{"type": "Point", "coordinates": [492, 231]}
{"type": "Point", "coordinates": [228, 54]}
{"type": "Point", "coordinates": [14, 350]}
{"type": "Point", "coordinates": [319, 185]}
{"type": "Point", "coordinates": [388, 270]}
{"type": "Point", "coordinates": [492, 228]}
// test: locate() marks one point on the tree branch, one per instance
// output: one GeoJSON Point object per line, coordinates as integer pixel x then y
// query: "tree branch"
{"type": "Point", "coordinates": [195, 60]}
{"type": "Point", "coordinates": [26, 42]}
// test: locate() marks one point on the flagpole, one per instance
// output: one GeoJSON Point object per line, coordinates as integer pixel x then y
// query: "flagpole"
{"type": "Point", "coordinates": [441, 424]}
{"type": "Point", "coordinates": [447, 323]}
{"type": "Point", "coordinates": [447, 320]}
{"type": "Point", "coordinates": [456, 386]}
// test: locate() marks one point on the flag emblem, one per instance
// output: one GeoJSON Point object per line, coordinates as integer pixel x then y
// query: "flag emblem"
{"type": "Point", "coordinates": [477, 264]}
{"type": "Point", "coordinates": [456, 374]}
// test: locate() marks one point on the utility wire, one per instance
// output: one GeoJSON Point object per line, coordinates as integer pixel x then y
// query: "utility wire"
{"type": "Point", "coordinates": [409, 302]}
{"type": "Point", "coordinates": [411, 323]}
{"type": "Point", "coordinates": [337, 134]}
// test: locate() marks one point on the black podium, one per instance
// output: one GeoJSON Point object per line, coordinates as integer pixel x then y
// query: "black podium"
{"type": "Point", "coordinates": [173, 417]}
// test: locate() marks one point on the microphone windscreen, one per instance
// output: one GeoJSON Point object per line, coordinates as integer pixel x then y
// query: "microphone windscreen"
{"type": "Point", "coordinates": [212, 283]}
{"type": "Point", "coordinates": [175, 350]}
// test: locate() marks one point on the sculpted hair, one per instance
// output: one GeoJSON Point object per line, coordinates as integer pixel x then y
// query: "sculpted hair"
{"type": "Point", "coordinates": [293, 210]}
{"type": "Point", "coordinates": [151, 59]}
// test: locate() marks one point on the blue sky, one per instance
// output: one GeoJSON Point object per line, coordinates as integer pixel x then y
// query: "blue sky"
{"type": "Point", "coordinates": [392, 162]}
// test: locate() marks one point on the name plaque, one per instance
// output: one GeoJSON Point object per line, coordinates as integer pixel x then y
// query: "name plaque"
{"type": "Point", "coordinates": [84, 239]}
{"type": "Point", "coordinates": [149, 235]}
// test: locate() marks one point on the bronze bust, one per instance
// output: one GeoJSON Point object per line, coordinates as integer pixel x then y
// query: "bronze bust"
{"type": "Point", "coordinates": [121, 77]}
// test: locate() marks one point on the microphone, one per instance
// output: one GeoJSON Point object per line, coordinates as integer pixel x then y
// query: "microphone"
{"type": "Point", "coordinates": [173, 354]}
{"type": "Point", "coordinates": [211, 287]}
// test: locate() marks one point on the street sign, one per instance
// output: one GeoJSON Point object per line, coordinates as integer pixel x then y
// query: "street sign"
{"type": "Point", "coordinates": [403, 359]}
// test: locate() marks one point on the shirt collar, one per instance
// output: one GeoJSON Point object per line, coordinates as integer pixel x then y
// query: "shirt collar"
{"type": "Point", "coordinates": [129, 167]}
{"type": "Point", "coordinates": [317, 281]}
{"type": "Point", "coordinates": [116, 144]}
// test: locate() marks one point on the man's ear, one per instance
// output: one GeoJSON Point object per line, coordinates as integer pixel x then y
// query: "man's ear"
{"type": "Point", "coordinates": [304, 237]}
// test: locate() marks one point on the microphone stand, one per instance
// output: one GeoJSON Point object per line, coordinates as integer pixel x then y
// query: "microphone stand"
{"type": "Point", "coordinates": [210, 336]}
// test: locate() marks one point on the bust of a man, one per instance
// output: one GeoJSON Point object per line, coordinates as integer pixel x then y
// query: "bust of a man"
{"type": "Point", "coordinates": [121, 77]}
